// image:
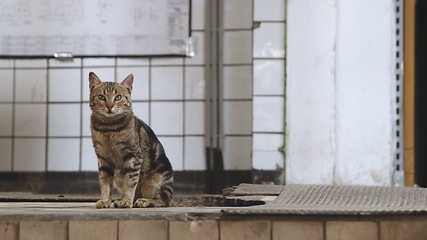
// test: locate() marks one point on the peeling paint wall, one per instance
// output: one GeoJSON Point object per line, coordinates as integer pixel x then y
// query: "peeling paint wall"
{"type": "Point", "coordinates": [339, 92]}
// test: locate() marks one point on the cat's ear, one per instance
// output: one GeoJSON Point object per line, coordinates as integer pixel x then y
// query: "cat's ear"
{"type": "Point", "coordinates": [93, 80]}
{"type": "Point", "coordinates": [128, 82]}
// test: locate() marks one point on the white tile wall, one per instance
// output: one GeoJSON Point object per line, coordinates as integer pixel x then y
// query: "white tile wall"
{"type": "Point", "coordinates": [166, 118]}
{"type": "Point", "coordinates": [268, 77]}
{"type": "Point", "coordinates": [237, 82]}
{"type": "Point", "coordinates": [6, 121]}
{"type": "Point", "coordinates": [198, 14]}
{"type": "Point", "coordinates": [268, 114]}
{"type": "Point", "coordinates": [178, 61]}
{"type": "Point", "coordinates": [29, 155]}
{"type": "Point", "coordinates": [133, 61]}
{"type": "Point", "coordinates": [237, 151]}
{"type": "Point", "coordinates": [269, 40]}
{"type": "Point", "coordinates": [174, 151]}
{"type": "Point", "coordinates": [269, 10]}
{"type": "Point", "coordinates": [74, 63]}
{"type": "Point", "coordinates": [30, 63]}
{"type": "Point", "coordinates": [31, 85]}
{"type": "Point", "coordinates": [86, 112]}
{"type": "Point", "coordinates": [64, 85]}
{"type": "Point", "coordinates": [99, 62]}
{"type": "Point", "coordinates": [237, 118]}
{"type": "Point", "coordinates": [268, 84]}
{"type": "Point", "coordinates": [30, 120]}
{"type": "Point", "coordinates": [141, 110]}
{"type": "Point", "coordinates": [6, 90]}
{"type": "Point", "coordinates": [194, 118]}
{"type": "Point", "coordinates": [267, 160]}
{"type": "Point", "coordinates": [167, 83]}
{"type": "Point", "coordinates": [64, 120]}
{"type": "Point", "coordinates": [6, 63]}
{"type": "Point", "coordinates": [89, 161]}
{"type": "Point", "coordinates": [68, 158]}
{"type": "Point", "coordinates": [45, 112]}
{"type": "Point", "coordinates": [237, 45]}
{"type": "Point", "coordinates": [194, 153]}
{"type": "Point", "coordinates": [266, 154]}
{"type": "Point", "coordinates": [267, 142]}
{"type": "Point", "coordinates": [6, 155]}
{"type": "Point", "coordinates": [237, 14]}
{"type": "Point", "coordinates": [195, 83]}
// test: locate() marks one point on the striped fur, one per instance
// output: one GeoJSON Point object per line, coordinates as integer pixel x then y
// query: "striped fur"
{"type": "Point", "coordinates": [130, 156]}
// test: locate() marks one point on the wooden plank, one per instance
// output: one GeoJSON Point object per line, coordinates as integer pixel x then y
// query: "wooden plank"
{"type": "Point", "coordinates": [30, 197]}
{"type": "Point", "coordinates": [246, 189]}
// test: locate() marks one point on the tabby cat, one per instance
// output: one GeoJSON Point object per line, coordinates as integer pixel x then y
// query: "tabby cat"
{"type": "Point", "coordinates": [129, 154]}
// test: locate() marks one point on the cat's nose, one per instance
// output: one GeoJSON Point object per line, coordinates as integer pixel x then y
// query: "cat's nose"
{"type": "Point", "coordinates": [109, 106]}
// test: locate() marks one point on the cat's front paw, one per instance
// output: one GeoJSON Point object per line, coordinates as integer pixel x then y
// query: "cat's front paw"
{"type": "Point", "coordinates": [103, 204]}
{"type": "Point", "coordinates": [143, 203]}
{"type": "Point", "coordinates": [122, 203]}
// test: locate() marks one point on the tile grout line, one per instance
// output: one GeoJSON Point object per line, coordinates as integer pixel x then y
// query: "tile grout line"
{"type": "Point", "coordinates": [47, 116]}
{"type": "Point", "coordinates": [253, 90]}
{"type": "Point", "coordinates": [149, 100]}
{"type": "Point", "coordinates": [116, 77]}
{"type": "Point", "coordinates": [81, 115]}
{"type": "Point", "coordinates": [183, 114]}
{"type": "Point", "coordinates": [12, 160]}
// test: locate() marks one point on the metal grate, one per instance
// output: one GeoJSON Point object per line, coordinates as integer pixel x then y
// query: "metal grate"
{"type": "Point", "coordinates": [398, 164]}
{"type": "Point", "coordinates": [342, 200]}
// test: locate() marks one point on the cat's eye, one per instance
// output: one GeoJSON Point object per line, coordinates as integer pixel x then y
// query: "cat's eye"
{"type": "Point", "coordinates": [101, 97]}
{"type": "Point", "coordinates": [118, 97]}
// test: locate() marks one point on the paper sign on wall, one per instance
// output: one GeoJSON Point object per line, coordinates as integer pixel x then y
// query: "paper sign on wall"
{"type": "Point", "coordinates": [40, 28]}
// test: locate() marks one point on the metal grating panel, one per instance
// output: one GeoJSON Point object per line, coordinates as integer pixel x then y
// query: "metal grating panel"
{"type": "Point", "coordinates": [341, 200]}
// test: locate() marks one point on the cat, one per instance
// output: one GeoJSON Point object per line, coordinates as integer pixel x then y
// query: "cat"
{"type": "Point", "coordinates": [130, 156]}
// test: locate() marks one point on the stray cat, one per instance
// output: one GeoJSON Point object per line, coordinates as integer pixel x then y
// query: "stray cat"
{"type": "Point", "coordinates": [129, 154]}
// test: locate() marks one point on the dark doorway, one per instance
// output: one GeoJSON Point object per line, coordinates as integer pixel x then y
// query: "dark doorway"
{"type": "Point", "coordinates": [420, 167]}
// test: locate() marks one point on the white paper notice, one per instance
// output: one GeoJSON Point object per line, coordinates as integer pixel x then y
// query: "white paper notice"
{"type": "Point", "coordinates": [94, 27]}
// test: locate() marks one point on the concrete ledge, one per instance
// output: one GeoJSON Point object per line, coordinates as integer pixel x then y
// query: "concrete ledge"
{"type": "Point", "coordinates": [69, 221]}
{"type": "Point", "coordinates": [87, 211]}
{"type": "Point", "coordinates": [272, 221]}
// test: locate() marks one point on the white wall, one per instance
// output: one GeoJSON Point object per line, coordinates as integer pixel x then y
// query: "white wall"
{"type": "Point", "coordinates": [340, 61]}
